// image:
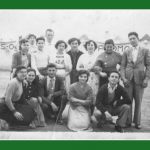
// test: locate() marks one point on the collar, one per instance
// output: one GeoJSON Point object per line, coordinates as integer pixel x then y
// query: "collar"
{"type": "Point", "coordinates": [135, 48]}
{"type": "Point", "coordinates": [115, 87]}
{"type": "Point", "coordinates": [54, 78]}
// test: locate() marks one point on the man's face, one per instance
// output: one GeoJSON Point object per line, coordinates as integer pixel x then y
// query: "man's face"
{"type": "Point", "coordinates": [40, 44]}
{"type": "Point", "coordinates": [51, 72]}
{"type": "Point", "coordinates": [25, 47]}
{"type": "Point", "coordinates": [49, 35]}
{"type": "Point", "coordinates": [133, 40]}
{"type": "Point", "coordinates": [114, 78]}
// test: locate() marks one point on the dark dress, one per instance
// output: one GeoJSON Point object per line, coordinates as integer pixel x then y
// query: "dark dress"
{"type": "Point", "coordinates": [74, 59]}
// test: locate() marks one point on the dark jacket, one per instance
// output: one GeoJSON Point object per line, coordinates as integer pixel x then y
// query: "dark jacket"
{"type": "Point", "coordinates": [121, 97]}
{"type": "Point", "coordinates": [59, 87]}
{"type": "Point", "coordinates": [16, 60]}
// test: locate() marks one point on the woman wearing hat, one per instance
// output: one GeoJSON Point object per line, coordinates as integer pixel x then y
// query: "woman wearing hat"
{"type": "Point", "coordinates": [62, 61]}
{"type": "Point", "coordinates": [74, 53]}
{"type": "Point", "coordinates": [13, 107]}
{"type": "Point", "coordinates": [107, 61]}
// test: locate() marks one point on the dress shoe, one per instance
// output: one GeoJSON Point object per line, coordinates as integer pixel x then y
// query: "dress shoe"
{"type": "Point", "coordinates": [119, 129]}
{"type": "Point", "coordinates": [138, 126]}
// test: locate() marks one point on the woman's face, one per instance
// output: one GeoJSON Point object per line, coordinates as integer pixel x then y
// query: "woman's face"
{"type": "Point", "coordinates": [21, 75]}
{"type": "Point", "coordinates": [83, 78]}
{"type": "Point", "coordinates": [25, 48]}
{"type": "Point", "coordinates": [109, 48]}
{"type": "Point", "coordinates": [74, 45]}
{"type": "Point", "coordinates": [91, 47]}
{"type": "Point", "coordinates": [30, 76]}
{"type": "Point", "coordinates": [61, 47]}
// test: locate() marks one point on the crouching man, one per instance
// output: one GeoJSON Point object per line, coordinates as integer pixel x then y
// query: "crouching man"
{"type": "Point", "coordinates": [113, 100]}
{"type": "Point", "coordinates": [53, 95]}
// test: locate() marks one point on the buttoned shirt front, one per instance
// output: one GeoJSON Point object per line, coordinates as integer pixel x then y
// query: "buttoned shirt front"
{"type": "Point", "coordinates": [51, 84]}
{"type": "Point", "coordinates": [135, 53]}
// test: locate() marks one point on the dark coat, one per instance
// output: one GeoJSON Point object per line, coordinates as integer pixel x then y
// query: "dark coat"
{"type": "Point", "coordinates": [102, 102]}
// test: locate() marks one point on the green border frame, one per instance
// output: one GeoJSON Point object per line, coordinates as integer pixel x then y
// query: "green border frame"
{"type": "Point", "coordinates": [74, 4]}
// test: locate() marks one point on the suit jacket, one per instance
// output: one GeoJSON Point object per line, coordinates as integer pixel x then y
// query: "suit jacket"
{"type": "Point", "coordinates": [102, 102]}
{"type": "Point", "coordinates": [16, 60]}
{"type": "Point", "coordinates": [59, 87]}
{"type": "Point", "coordinates": [140, 69]}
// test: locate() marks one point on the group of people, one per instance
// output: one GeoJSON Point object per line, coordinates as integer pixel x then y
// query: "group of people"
{"type": "Point", "coordinates": [45, 79]}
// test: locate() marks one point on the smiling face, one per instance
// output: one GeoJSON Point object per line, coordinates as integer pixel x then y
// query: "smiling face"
{"type": "Point", "coordinates": [25, 48]}
{"type": "Point", "coordinates": [31, 76]}
{"type": "Point", "coordinates": [61, 47]}
{"type": "Point", "coordinates": [91, 47]}
{"type": "Point", "coordinates": [51, 72]}
{"type": "Point", "coordinates": [21, 75]}
{"type": "Point", "coordinates": [49, 35]}
{"type": "Point", "coordinates": [40, 44]}
{"type": "Point", "coordinates": [83, 78]}
{"type": "Point", "coordinates": [133, 40]}
{"type": "Point", "coordinates": [113, 78]}
{"type": "Point", "coordinates": [109, 48]}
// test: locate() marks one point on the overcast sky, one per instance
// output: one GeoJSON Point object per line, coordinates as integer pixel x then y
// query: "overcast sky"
{"type": "Point", "coordinates": [96, 24]}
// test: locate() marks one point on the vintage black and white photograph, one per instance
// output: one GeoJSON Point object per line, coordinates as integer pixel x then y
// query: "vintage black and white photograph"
{"type": "Point", "coordinates": [74, 74]}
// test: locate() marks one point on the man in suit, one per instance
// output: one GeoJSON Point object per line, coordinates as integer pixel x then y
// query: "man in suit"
{"type": "Point", "coordinates": [112, 99]}
{"type": "Point", "coordinates": [53, 94]}
{"type": "Point", "coordinates": [135, 72]}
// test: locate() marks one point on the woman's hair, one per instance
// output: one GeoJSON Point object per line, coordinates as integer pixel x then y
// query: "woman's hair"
{"type": "Point", "coordinates": [88, 42]}
{"type": "Point", "coordinates": [133, 33]}
{"type": "Point", "coordinates": [81, 72]}
{"type": "Point", "coordinates": [22, 41]}
{"type": "Point", "coordinates": [31, 35]}
{"type": "Point", "coordinates": [60, 42]}
{"type": "Point", "coordinates": [109, 41]}
{"type": "Point", "coordinates": [35, 81]}
{"type": "Point", "coordinates": [31, 70]}
{"type": "Point", "coordinates": [18, 68]}
{"type": "Point", "coordinates": [40, 38]}
{"type": "Point", "coordinates": [74, 39]}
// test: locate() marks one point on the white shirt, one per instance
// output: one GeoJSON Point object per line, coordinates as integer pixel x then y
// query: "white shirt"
{"type": "Point", "coordinates": [110, 89]}
{"type": "Point", "coordinates": [49, 48]}
{"type": "Point", "coordinates": [39, 59]}
{"type": "Point", "coordinates": [135, 53]}
{"type": "Point", "coordinates": [51, 80]}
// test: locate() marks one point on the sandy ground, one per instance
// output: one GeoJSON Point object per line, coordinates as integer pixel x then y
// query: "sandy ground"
{"type": "Point", "coordinates": [4, 79]}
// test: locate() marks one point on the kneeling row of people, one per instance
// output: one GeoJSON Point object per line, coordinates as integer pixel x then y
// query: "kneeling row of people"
{"type": "Point", "coordinates": [27, 98]}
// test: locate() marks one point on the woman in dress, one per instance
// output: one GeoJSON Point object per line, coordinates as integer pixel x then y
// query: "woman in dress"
{"type": "Point", "coordinates": [87, 61]}
{"type": "Point", "coordinates": [107, 61]}
{"type": "Point", "coordinates": [81, 99]}
{"type": "Point", "coordinates": [63, 62]}
{"type": "Point", "coordinates": [74, 53]}
{"type": "Point", "coordinates": [13, 107]}
{"type": "Point", "coordinates": [31, 95]}
{"type": "Point", "coordinates": [22, 57]}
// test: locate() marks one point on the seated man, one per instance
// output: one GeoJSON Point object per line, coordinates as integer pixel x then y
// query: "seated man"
{"type": "Point", "coordinates": [53, 94]}
{"type": "Point", "coordinates": [112, 99]}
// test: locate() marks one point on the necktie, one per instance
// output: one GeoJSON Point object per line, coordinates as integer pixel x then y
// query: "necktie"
{"type": "Point", "coordinates": [51, 85]}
